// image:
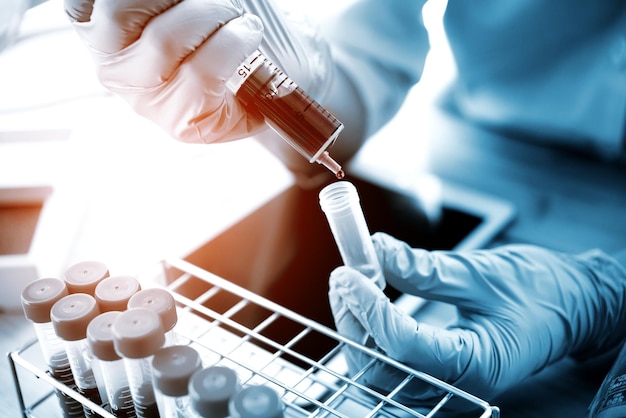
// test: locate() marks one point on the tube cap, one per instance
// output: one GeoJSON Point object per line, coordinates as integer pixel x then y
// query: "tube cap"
{"type": "Point", "coordinates": [158, 300]}
{"type": "Point", "coordinates": [256, 402]}
{"type": "Point", "coordinates": [138, 333]}
{"type": "Point", "coordinates": [172, 368]}
{"type": "Point", "coordinates": [211, 389]}
{"type": "Point", "coordinates": [39, 296]}
{"type": "Point", "coordinates": [113, 293]}
{"type": "Point", "coordinates": [84, 276]}
{"type": "Point", "coordinates": [72, 314]}
{"type": "Point", "coordinates": [100, 336]}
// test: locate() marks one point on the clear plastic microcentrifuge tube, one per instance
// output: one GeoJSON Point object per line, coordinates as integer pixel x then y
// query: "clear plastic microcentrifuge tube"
{"type": "Point", "coordinates": [70, 316]}
{"type": "Point", "coordinates": [83, 277]}
{"type": "Point", "coordinates": [211, 390]}
{"type": "Point", "coordinates": [112, 370]}
{"type": "Point", "coordinates": [288, 109]}
{"type": "Point", "coordinates": [341, 204]}
{"type": "Point", "coordinates": [137, 336]}
{"type": "Point", "coordinates": [172, 368]}
{"type": "Point", "coordinates": [114, 292]}
{"type": "Point", "coordinates": [162, 302]}
{"type": "Point", "coordinates": [38, 297]}
{"type": "Point", "coordinates": [256, 401]}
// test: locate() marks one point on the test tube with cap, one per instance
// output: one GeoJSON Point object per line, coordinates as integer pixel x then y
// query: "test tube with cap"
{"type": "Point", "coordinates": [172, 368]}
{"type": "Point", "coordinates": [70, 317]}
{"type": "Point", "coordinates": [38, 297]}
{"type": "Point", "coordinates": [301, 121]}
{"type": "Point", "coordinates": [162, 302]}
{"type": "Point", "coordinates": [256, 401]}
{"type": "Point", "coordinates": [341, 204]}
{"type": "Point", "coordinates": [211, 390]}
{"type": "Point", "coordinates": [137, 336]}
{"type": "Point", "coordinates": [114, 292]}
{"type": "Point", "coordinates": [84, 276]}
{"type": "Point", "coordinates": [113, 372]}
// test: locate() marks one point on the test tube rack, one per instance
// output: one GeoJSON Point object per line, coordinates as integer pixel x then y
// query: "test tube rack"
{"type": "Point", "coordinates": [232, 326]}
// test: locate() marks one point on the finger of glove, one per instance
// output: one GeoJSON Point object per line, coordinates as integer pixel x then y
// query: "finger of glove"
{"type": "Point", "coordinates": [443, 353]}
{"type": "Point", "coordinates": [221, 117]}
{"type": "Point", "coordinates": [78, 10]}
{"type": "Point", "coordinates": [349, 327]}
{"type": "Point", "coordinates": [116, 25]}
{"type": "Point", "coordinates": [183, 36]}
{"type": "Point", "coordinates": [210, 113]}
{"type": "Point", "coordinates": [345, 321]}
{"type": "Point", "coordinates": [376, 373]}
{"type": "Point", "coordinates": [468, 280]}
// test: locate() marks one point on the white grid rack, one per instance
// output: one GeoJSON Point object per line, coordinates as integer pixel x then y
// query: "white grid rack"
{"type": "Point", "coordinates": [265, 343]}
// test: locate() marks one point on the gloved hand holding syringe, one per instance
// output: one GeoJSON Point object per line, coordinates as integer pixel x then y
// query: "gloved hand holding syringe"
{"type": "Point", "coordinates": [212, 71]}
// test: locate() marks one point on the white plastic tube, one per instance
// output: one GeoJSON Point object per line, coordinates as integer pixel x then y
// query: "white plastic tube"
{"type": "Point", "coordinates": [341, 204]}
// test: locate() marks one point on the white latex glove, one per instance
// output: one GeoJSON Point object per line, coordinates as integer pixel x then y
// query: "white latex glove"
{"type": "Point", "coordinates": [520, 308]}
{"type": "Point", "coordinates": [170, 59]}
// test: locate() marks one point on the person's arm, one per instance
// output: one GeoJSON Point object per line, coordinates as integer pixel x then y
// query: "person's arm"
{"type": "Point", "coordinates": [381, 48]}
{"type": "Point", "coordinates": [171, 59]}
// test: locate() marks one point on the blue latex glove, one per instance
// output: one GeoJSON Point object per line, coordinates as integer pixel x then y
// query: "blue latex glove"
{"type": "Point", "coordinates": [520, 308]}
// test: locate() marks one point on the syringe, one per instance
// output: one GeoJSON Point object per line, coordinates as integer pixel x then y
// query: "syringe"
{"type": "Point", "coordinates": [288, 109]}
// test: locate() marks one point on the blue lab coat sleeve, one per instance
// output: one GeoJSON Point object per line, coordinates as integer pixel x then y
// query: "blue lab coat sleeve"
{"type": "Point", "coordinates": [550, 70]}
{"type": "Point", "coordinates": [381, 46]}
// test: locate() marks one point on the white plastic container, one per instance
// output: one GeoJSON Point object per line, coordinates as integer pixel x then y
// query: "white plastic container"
{"type": "Point", "coordinates": [138, 335]}
{"type": "Point", "coordinates": [111, 365]}
{"type": "Point", "coordinates": [37, 301]}
{"type": "Point", "coordinates": [172, 368]}
{"type": "Point", "coordinates": [71, 316]}
{"type": "Point", "coordinates": [341, 204]}
{"type": "Point", "coordinates": [211, 390]}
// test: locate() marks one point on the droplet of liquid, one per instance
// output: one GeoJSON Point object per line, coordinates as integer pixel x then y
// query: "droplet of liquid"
{"type": "Point", "coordinates": [340, 174]}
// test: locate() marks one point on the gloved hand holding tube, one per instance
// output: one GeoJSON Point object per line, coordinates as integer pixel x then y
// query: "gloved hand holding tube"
{"type": "Point", "coordinates": [171, 59]}
{"type": "Point", "coordinates": [520, 308]}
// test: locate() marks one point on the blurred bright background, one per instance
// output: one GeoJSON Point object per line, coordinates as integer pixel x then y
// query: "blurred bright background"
{"type": "Point", "coordinates": [122, 190]}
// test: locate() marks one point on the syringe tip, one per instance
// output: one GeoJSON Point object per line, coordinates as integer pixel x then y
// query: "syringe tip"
{"type": "Point", "coordinates": [326, 160]}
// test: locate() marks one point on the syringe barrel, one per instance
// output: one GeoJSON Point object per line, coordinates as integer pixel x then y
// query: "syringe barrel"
{"type": "Point", "coordinates": [341, 204]}
{"type": "Point", "coordinates": [301, 121]}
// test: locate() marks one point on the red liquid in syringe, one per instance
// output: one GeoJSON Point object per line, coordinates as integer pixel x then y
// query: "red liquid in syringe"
{"type": "Point", "coordinates": [306, 125]}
